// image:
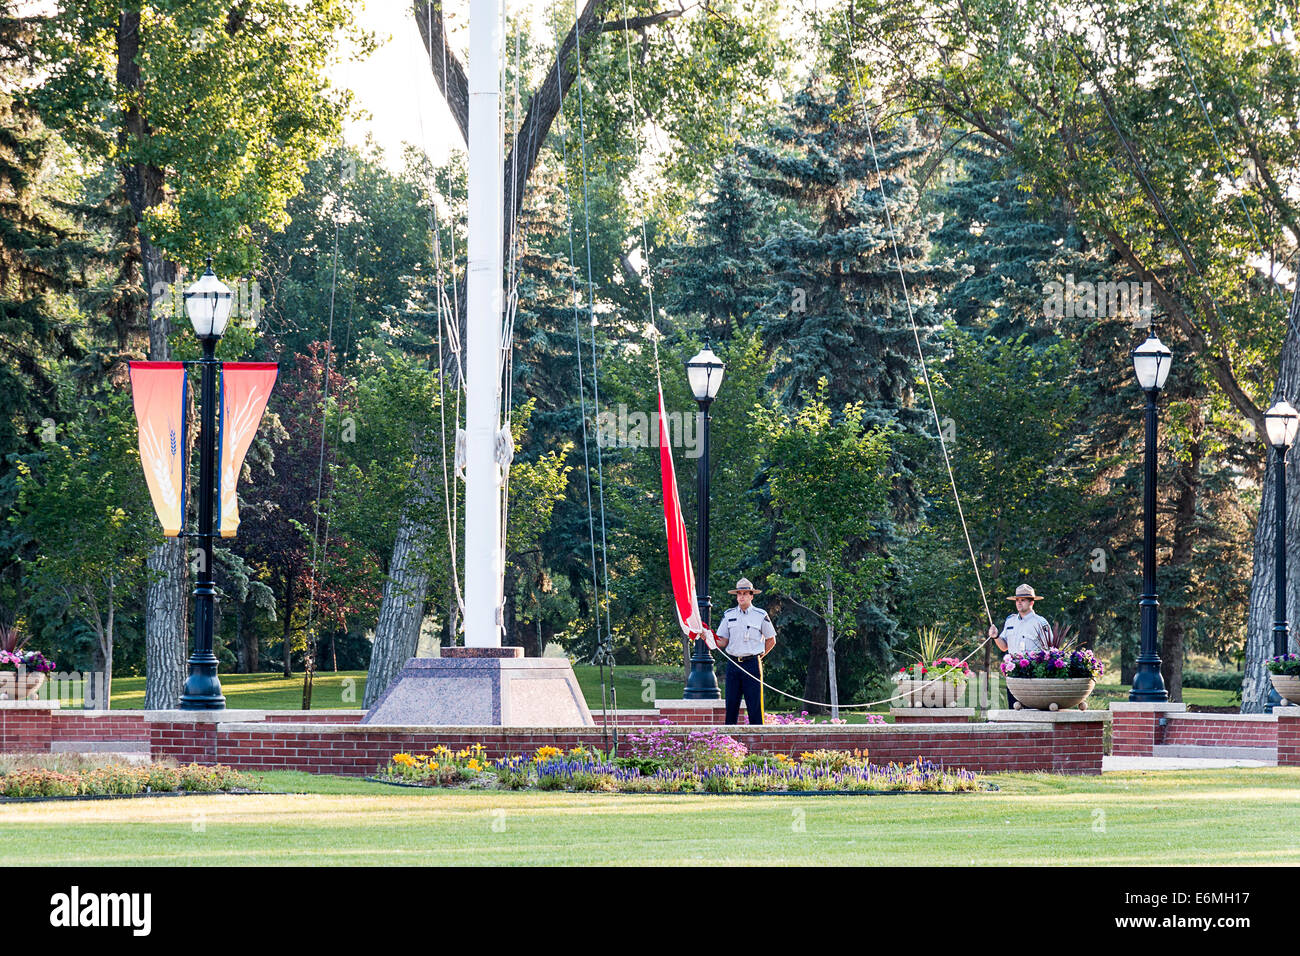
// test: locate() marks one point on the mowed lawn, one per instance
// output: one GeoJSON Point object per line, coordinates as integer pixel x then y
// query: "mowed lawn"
{"type": "Point", "coordinates": [637, 686]}
{"type": "Point", "coordinates": [1237, 817]}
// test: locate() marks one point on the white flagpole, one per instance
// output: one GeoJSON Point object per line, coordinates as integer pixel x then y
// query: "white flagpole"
{"type": "Point", "coordinates": [483, 559]}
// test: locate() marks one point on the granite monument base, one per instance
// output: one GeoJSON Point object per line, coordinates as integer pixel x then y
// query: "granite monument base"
{"type": "Point", "coordinates": [483, 687]}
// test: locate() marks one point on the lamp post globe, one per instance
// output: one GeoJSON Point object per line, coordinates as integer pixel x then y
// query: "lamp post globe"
{"type": "Point", "coordinates": [1151, 362]}
{"type": "Point", "coordinates": [207, 303]}
{"type": "Point", "coordinates": [1281, 422]}
{"type": "Point", "coordinates": [704, 373]}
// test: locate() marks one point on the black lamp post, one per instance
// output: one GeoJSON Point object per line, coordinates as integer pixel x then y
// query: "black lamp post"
{"type": "Point", "coordinates": [208, 303]}
{"type": "Point", "coordinates": [1281, 422]}
{"type": "Point", "coordinates": [1151, 362]}
{"type": "Point", "coordinates": [704, 372]}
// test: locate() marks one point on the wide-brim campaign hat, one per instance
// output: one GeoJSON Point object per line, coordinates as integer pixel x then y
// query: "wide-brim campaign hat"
{"type": "Point", "coordinates": [1025, 591]}
{"type": "Point", "coordinates": [744, 585]}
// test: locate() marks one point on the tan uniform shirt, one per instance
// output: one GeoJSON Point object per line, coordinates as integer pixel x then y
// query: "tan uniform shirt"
{"type": "Point", "coordinates": [1024, 635]}
{"type": "Point", "coordinates": [745, 631]}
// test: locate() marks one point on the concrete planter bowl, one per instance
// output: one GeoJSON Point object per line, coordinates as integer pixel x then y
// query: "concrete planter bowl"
{"type": "Point", "coordinates": [12, 688]}
{"type": "Point", "coordinates": [1050, 693]}
{"type": "Point", "coordinates": [917, 693]}
{"type": "Point", "coordinates": [1287, 687]}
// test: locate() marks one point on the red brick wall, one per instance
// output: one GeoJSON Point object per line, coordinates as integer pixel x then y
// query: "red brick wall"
{"type": "Point", "coordinates": [114, 725]}
{"type": "Point", "coordinates": [314, 717]}
{"type": "Point", "coordinates": [1065, 748]}
{"type": "Point", "coordinates": [939, 717]}
{"type": "Point", "coordinates": [25, 731]}
{"type": "Point", "coordinates": [1133, 732]}
{"type": "Point", "coordinates": [184, 742]}
{"type": "Point", "coordinates": [1191, 731]}
{"type": "Point", "coordinates": [1288, 739]}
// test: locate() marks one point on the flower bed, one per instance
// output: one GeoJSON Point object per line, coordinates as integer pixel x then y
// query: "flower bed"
{"type": "Point", "coordinates": [120, 780]}
{"type": "Point", "coordinates": [695, 766]}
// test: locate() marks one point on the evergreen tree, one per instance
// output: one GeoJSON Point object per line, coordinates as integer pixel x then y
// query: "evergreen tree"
{"type": "Point", "coordinates": [840, 312]}
{"type": "Point", "coordinates": [720, 284]}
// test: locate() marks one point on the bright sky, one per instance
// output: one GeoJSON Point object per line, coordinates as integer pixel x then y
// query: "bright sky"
{"type": "Point", "coordinates": [395, 90]}
{"type": "Point", "coordinates": [395, 85]}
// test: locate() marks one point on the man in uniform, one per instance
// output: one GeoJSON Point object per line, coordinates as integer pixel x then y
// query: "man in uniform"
{"type": "Point", "coordinates": [1024, 632]}
{"type": "Point", "coordinates": [747, 635]}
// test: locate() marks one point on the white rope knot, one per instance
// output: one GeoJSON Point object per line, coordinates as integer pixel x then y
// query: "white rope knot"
{"type": "Point", "coordinates": [505, 448]}
{"type": "Point", "coordinates": [462, 453]}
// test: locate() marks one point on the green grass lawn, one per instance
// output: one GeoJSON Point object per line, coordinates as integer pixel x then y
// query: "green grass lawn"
{"type": "Point", "coordinates": [346, 689]}
{"type": "Point", "coordinates": [637, 687]}
{"type": "Point", "coordinates": [1232, 817]}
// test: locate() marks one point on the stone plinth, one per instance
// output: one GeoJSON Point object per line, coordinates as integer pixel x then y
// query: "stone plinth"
{"type": "Point", "coordinates": [481, 652]}
{"type": "Point", "coordinates": [483, 690]}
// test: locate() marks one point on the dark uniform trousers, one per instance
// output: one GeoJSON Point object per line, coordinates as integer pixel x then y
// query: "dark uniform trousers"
{"type": "Point", "coordinates": [743, 675]}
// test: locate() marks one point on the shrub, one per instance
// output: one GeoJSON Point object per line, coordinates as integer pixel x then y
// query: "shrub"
{"type": "Point", "coordinates": [1213, 680]}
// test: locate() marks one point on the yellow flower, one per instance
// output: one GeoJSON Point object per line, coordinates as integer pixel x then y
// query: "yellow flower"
{"type": "Point", "coordinates": [462, 754]}
{"type": "Point", "coordinates": [546, 753]}
{"type": "Point", "coordinates": [440, 751]}
{"type": "Point", "coordinates": [474, 764]}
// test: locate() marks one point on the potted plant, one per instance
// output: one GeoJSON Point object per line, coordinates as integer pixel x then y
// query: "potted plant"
{"type": "Point", "coordinates": [935, 678]}
{"type": "Point", "coordinates": [1284, 672]}
{"type": "Point", "coordinates": [21, 672]}
{"type": "Point", "coordinates": [1052, 678]}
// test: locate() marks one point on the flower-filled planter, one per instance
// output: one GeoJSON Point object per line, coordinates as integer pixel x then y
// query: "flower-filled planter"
{"type": "Point", "coordinates": [937, 684]}
{"type": "Point", "coordinates": [1052, 679]}
{"type": "Point", "coordinates": [1284, 672]}
{"type": "Point", "coordinates": [22, 674]}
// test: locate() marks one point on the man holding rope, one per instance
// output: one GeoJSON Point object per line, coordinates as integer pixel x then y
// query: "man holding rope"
{"type": "Point", "coordinates": [747, 635]}
{"type": "Point", "coordinates": [1024, 631]}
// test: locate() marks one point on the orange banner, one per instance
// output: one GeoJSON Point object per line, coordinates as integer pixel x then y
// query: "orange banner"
{"type": "Point", "coordinates": [158, 391]}
{"type": "Point", "coordinates": [245, 390]}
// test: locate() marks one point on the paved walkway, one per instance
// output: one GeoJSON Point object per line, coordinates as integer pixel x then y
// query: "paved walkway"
{"type": "Point", "coordinates": [1179, 763]}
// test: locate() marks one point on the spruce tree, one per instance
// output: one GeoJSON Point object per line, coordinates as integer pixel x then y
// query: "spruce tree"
{"type": "Point", "coordinates": [840, 312]}
{"type": "Point", "coordinates": [719, 284]}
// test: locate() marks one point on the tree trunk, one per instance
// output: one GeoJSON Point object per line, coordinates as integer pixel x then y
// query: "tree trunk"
{"type": "Point", "coordinates": [1188, 482]}
{"type": "Point", "coordinates": [814, 685]}
{"type": "Point", "coordinates": [1255, 684]}
{"type": "Point", "coordinates": [832, 677]}
{"type": "Point", "coordinates": [286, 632]}
{"type": "Point", "coordinates": [401, 612]}
{"type": "Point", "coordinates": [166, 624]}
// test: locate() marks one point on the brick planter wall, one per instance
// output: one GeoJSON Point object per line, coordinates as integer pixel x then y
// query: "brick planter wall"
{"type": "Point", "coordinates": [1221, 730]}
{"type": "Point", "coordinates": [25, 727]}
{"type": "Point", "coordinates": [357, 750]}
{"type": "Point", "coordinates": [1134, 727]}
{"type": "Point", "coordinates": [1288, 736]}
{"type": "Point", "coordinates": [100, 726]}
{"type": "Point", "coordinates": [336, 743]}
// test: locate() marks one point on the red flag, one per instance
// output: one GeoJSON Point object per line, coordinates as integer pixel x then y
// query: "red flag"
{"type": "Point", "coordinates": [679, 552]}
{"type": "Point", "coordinates": [245, 389]}
{"type": "Point", "coordinates": [158, 392]}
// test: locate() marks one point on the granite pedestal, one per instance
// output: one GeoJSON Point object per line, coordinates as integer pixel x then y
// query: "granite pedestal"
{"type": "Point", "coordinates": [481, 687]}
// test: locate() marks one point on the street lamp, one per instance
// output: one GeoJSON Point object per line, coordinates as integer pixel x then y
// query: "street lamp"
{"type": "Point", "coordinates": [704, 372]}
{"type": "Point", "coordinates": [208, 303]}
{"type": "Point", "coordinates": [1151, 361]}
{"type": "Point", "coordinates": [1281, 422]}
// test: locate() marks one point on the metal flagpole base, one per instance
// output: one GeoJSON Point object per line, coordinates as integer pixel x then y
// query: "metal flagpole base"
{"type": "Point", "coordinates": [702, 684]}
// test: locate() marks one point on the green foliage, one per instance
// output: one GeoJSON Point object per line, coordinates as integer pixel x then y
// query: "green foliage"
{"type": "Point", "coordinates": [829, 477]}
{"type": "Point", "coordinates": [233, 100]}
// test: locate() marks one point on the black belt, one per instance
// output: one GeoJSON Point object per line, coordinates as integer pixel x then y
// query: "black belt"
{"type": "Point", "coordinates": [747, 657]}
